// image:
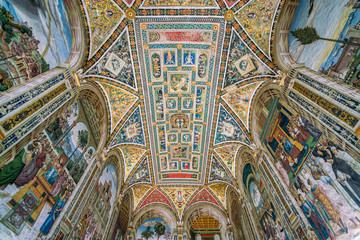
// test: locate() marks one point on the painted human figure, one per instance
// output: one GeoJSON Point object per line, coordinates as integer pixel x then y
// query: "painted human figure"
{"type": "Point", "coordinates": [349, 175]}
{"type": "Point", "coordinates": [53, 214]}
{"type": "Point", "coordinates": [30, 171]}
{"type": "Point", "coordinates": [326, 202]}
{"type": "Point", "coordinates": [337, 201]}
{"type": "Point", "coordinates": [12, 170]}
{"type": "Point", "coordinates": [316, 221]}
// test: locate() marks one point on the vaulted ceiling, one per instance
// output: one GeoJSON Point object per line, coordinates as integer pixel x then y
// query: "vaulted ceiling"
{"type": "Point", "coordinates": [179, 77]}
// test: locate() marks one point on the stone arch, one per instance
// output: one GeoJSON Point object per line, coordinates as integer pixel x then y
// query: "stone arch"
{"type": "Point", "coordinates": [91, 98]}
{"type": "Point", "coordinates": [79, 44]}
{"type": "Point", "coordinates": [244, 156]}
{"type": "Point", "coordinates": [153, 211]}
{"type": "Point", "coordinates": [235, 212]}
{"type": "Point", "coordinates": [206, 209]}
{"type": "Point", "coordinates": [281, 52]}
{"type": "Point", "coordinates": [125, 212]}
{"type": "Point", "coordinates": [114, 158]}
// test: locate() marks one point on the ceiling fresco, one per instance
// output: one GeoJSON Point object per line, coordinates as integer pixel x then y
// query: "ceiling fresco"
{"type": "Point", "coordinates": [179, 78]}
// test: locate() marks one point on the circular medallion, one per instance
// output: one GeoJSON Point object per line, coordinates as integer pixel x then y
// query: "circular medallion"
{"type": "Point", "coordinates": [130, 14]}
{"type": "Point", "coordinates": [229, 15]}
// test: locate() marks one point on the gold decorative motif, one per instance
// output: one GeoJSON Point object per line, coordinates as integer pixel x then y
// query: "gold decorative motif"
{"type": "Point", "coordinates": [229, 15]}
{"type": "Point", "coordinates": [130, 14]}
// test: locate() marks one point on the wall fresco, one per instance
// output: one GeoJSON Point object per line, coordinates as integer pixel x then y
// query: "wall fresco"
{"type": "Point", "coordinates": [97, 215]}
{"type": "Point", "coordinates": [149, 225]}
{"type": "Point", "coordinates": [339, 21]}
{"type": "Point", "coordinates": [323, 180]}
{"type": "Point", "coordinates": [43, 175]}
{"type": "Point", "coordinates": [268, 219]}
{"type": "Point", "coordinates": [37, 38]}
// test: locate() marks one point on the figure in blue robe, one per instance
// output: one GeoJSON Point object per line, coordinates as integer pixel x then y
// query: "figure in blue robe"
{"type": "Point", "coordinates": [316, 221]}
{"type": "Point", "coordinates": [51, 175]}
{"type": "Point", "coordinates": [55, 212]}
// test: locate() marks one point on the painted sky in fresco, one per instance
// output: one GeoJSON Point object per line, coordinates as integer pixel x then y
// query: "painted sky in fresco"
{"type": "Point", "coordinates": [35, 14]}
{"type": "Point", "coordinates": [329, 19]}
{"type": "Point", "coordinates": [151, 222]}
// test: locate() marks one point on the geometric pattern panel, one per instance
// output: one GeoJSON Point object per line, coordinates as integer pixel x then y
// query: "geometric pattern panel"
{"type": "Point", "coordinates": [228, 155]}
{"type": "Point", "coordinates": [180, 75]}
{"type": "Point", "coordinates": [131, 155]}
{"type": "Point", "coordinates": [218, 172]}
{"type": "Point", "coordinates": [243, 63]}
{"type": "Point", "coordinates": [141, 174]}
{"type": "Point", "coordinates": [240, 99]}
{"type": "Point", "coordinates": [205, 223]}
{"type": "Point", "coordinates": [204, 196]}
{"type": "Point", "coordinates": [119, 100]}
{"type": "Point", "coordinates": [219, 189]}
{"type": "Point", "coordinates": [180, 196]}
{"type": "Point", "coordinates": [116, 64]}
{"type": "Point", "coordinates": [103, 17]}
{"type": "Point", "coordinates": [257, 18]}
{"type": "Point", "coordinates": [156, 197]}
{"type": "Point", "coordinates": [228, 130]}
{"type": "Point", "coordinates": [132, 131]}
{"type": "Point", "coordinates": [180, 4]}
{"type": "Point", "coordinates": [139, 191]}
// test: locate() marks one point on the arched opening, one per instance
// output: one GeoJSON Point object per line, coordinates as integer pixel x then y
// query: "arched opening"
{"type": "Point", "coordinates": [154, 213]}
{"type": "Point", "coordinates": [205, 213]}
{"type": "Point", "coordinates": [154, 228]}
{"type": "Point", "coordinates": [235, 213]}
{"type": "Point", "coordinates": [206, 227]}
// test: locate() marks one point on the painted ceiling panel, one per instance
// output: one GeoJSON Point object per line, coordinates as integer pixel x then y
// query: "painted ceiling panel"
{"type": "Point", "coordinates": [180, 67]}
{"type": "Point", "coordinates": [205, 222]}
{"type": "Point", "coordinates": [219, 189]}
{"type": "Point", "coordinates": [132, 131]}
{"type": "Point", "coordinates": [228, 155]}
{"type": "Point", "coordinates": [116, 64]}
{"type": "Point", "coordinates": [239, 99]}
{"type": "Point", "coordinates": [139, 191]}
{"type": "Point", "coordinates": [180, 4]}
{"type": "Point", "coordinates": [120, 102]}
{"type": "Point", "coordinates": [257, 18]}
{"type": "Point", "coordinates": [104, 17]}
{"type": "Point", "coordinates": [179, 86]}
{"type": "Point", "coordinates": [131, 156]}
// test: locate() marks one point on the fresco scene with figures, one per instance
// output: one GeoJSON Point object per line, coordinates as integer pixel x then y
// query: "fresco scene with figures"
{"type": "Point", "coordinates": [36, 36]}
{"type": "Point", "coordinates": [179, 120]}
